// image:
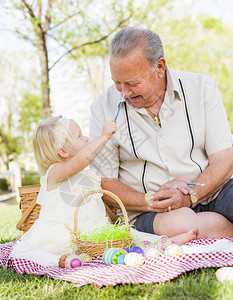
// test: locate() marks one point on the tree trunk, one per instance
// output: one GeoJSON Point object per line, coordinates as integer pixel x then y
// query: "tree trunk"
{"type": "Point", "coordinates": [44, 66]}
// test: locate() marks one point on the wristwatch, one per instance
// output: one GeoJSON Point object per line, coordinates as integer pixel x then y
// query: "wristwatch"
{"type": "Point", "coordinates": [193, 199]}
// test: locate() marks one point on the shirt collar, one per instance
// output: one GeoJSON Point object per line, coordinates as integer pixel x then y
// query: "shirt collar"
{"type": "Point", "coordinates": [173, 89]}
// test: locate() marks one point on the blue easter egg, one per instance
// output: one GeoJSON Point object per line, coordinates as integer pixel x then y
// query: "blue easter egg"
{"type": "Point", "coordinates": [137, 249]}
{"type": "Point", "coordinates": [107, 253]}
{"type": "Point", "coordinates": [113, 257]}
{"type": "Point", "coordinates": [120, 259]}
{"type": "Point", "coordinates": [126, 249]}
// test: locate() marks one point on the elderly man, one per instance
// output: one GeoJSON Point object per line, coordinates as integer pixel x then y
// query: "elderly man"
{"type": "Point", "coordinates": [172, 130]}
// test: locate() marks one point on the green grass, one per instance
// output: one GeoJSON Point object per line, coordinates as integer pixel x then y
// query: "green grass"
{"type": "Point", "coordinates": [198, 284]}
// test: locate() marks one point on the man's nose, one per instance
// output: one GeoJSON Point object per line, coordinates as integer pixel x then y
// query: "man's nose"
{"type": "Point", "coordinates": [125, 90]}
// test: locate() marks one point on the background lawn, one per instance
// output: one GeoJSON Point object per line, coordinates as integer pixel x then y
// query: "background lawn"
{"type": "Point", "coordinates": [198, 284]}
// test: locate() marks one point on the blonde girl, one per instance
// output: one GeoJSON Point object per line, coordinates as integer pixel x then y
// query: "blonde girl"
{"type": "Point", "coordinates": [62, 153]}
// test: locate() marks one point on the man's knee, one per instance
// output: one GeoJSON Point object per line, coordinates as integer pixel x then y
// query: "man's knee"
{"type": "Point", "coordinates": [175, 221]}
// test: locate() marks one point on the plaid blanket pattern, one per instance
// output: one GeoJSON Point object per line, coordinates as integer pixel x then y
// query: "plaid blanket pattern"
{"type": "Point", "coordinates": [154, 270]}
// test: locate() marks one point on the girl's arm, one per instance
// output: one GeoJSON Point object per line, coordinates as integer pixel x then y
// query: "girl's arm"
{"type": "Point", "coordinates": [82, 159]}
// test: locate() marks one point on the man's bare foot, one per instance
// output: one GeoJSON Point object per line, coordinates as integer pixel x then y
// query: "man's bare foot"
{"type": "Point", "coordinates": [62, 260]}
{"type": "Point", "coordinates": [186, 237]}
{"type": "Point", "coordinates": [192, 234]}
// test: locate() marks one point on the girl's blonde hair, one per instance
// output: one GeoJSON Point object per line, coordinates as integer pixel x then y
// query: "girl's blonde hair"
{"type": "Point", "coordinates": [45, 140]}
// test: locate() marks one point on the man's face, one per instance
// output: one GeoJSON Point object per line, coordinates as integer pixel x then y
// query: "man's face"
{"type": "Point", "coordinates": [135, 79]}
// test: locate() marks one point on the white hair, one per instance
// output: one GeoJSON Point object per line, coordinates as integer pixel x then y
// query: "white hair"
{"type": "Point", "coordinates": [131, 38]}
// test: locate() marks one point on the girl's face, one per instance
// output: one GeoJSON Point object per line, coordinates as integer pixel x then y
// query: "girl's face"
{"type": "Point", "coordinates": [78, 139]}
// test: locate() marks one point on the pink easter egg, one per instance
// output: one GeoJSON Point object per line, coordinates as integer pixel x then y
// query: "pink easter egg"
{"type": "Point", "coordinates": [163, 243]}
{"type": "Point", "coordinates": [73, 261]}
{"type": "Point", "coordinates": [144, 245]}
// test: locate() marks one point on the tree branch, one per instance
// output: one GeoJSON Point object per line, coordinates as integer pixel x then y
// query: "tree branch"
{"type": "Point", "coordinates": [37, 25]}
{"type": "Point", "coordinates": [69, 17]}
{"type": "Point", "coordinates": [48, 16]}
{"type": "Point", "coordinates": [39, 4]}
{"type": "Point", "coordinates": [25, 37]}
{"type": "Point", "coordinates": [60, 44]}
{"type": "Point", "coordinates": [89, 43]}
{"type": "Point", "coordinates": [29, 8]}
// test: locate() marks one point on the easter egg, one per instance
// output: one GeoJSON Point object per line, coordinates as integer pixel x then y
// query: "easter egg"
{"type": "Point", "coordinates": [163, 243]}
{"type": "Point", "coordinates": [124, 250]}
{"type": "Point", "coordinates": [120, 259]}
{"type": "Point", "coordinates": [144, 245]}
{"type": "Point", "coordinates": [173, 250]}
{"type": "Point", "coordinates": [110, 256]}
{"type": "Point", "coordinates": [147, 196]}
{"type": "Point", "coordinates": [152, 252]}
{"type": "Point", "coordinates": [137, 250]}
{"type": "Point", "coordinates": [133, 259]}
{"type": "Point", "coordinates": [114, 257]}
{"type": "Point", "coordinates": [225, 274]}
{"type": "Point", "coordinates": [85, 257]}
{"type": "Point", "coordinates": [107, 254]}
{"type": "Point", "coordinates": [73, 261]}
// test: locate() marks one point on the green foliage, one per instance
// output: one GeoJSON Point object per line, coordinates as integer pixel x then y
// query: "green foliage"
{"type": "Point", "coordinates": [30, 179]}
{"type": "Point", "coordinates": [9, 144]}
{"type": "Point", "coordinates": [4, 184]}
{"type": "Point", "coordinates": [30, 111]}
{"type": "Point", "coordinates": [212, 23]}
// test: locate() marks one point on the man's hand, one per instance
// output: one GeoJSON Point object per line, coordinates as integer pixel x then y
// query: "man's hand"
{"type": "Point", "coordinates": [165, 198]}
{"type": "Point", "coordinates": [179, 183]}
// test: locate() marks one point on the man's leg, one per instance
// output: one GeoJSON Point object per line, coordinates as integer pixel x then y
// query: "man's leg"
{"type": "Point", "coordinates": [212, 224]}
{"type": "Point", "coordinates": [222, 204]}
{"type": "Point", "coordinates": [182, 220]}
{"type": "Point", "coordinates": [174, 222]}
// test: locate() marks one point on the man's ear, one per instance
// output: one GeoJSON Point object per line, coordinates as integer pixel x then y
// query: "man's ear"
{"type": "Point", "coordinates": [62, 152]}
{"type": "Point", "coordinates": [161, 66]}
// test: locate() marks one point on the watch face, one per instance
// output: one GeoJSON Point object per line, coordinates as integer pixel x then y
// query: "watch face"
{"type": "Point", "coordinates": [193, 198]}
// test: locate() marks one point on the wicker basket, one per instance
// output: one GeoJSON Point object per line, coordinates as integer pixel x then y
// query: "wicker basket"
{"type": "Point", "coordinates": [29, 208]}
{"type": "Point", "coordinates": [30, 212]}
{"type": "Point", "coordinates": [93, 248]}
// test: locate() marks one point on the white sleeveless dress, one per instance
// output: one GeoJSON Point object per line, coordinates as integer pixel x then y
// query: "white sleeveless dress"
{"type": "Point", "coordinates": [49, 238]}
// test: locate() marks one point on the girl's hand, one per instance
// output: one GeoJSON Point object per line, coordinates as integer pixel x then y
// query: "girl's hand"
{"type": "Point", "coordinates": [109, 128]}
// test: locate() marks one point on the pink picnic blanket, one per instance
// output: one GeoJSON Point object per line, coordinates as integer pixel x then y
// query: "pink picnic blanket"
{"type": "Point", "coordinates": [209, 252]}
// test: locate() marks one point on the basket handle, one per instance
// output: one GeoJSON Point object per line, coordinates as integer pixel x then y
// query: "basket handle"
{"type": "Point", "coordinates": [27, 213]}
{"type": "Point", "coordinates": [117, 199]}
